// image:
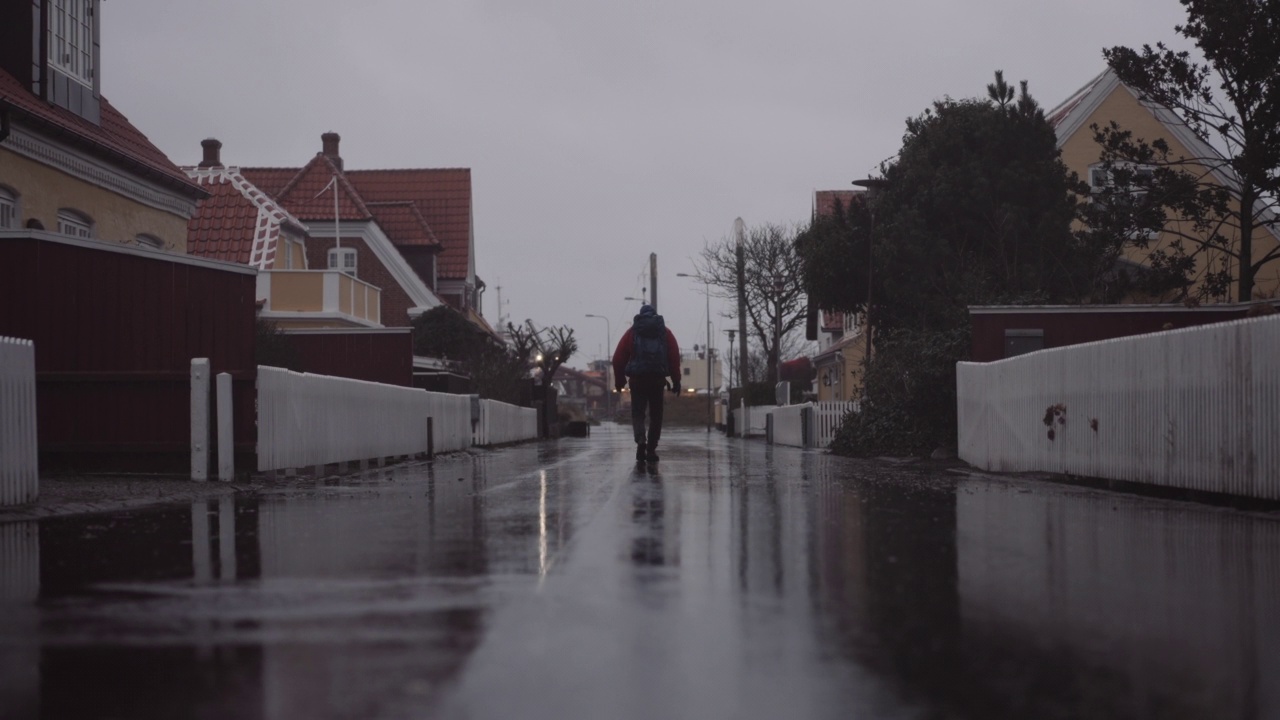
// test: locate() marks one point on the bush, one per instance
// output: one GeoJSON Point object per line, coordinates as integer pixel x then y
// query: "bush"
{"type": "Point", "coordinates": [911, 405]}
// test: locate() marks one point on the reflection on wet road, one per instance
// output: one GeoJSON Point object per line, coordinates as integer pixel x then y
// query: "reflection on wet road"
{"type": "Point", "coordinates": [732, 580]}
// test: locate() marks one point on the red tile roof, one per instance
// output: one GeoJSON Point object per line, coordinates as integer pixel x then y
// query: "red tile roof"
{"type": "Point", "coordinates": [238, 223]}
{"type": "Point", "coordinates": [270, 180]}
{"type": "Point", "coordinates": [403, 223]}
{"type": "Point", "coordinates": [305, 195]}
{"type": "Point", "coordinates": [442, 195]}
{"type": "Point", "coordinates": [116, 139]}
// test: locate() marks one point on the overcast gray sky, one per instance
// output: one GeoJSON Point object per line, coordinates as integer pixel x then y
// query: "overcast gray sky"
{"type": "Point", "coordinates": [596, 131]}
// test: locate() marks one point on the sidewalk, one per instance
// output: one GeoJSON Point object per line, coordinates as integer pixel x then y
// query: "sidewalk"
{"type": "Point", "coordinates": [82, 494]}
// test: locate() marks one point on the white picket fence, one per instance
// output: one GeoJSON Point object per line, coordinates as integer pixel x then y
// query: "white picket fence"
{"type": "Point", "coordinates": [827, 417]}
{"type": "Point", "coordinates": [19, 471]}
{"type": "Point", "coordinates": [1197, 408]}
{"type": "Point", "coordinates": [809, 424]}
{"type": "Point", "coordinates": [306, 420]}
{"type": "Point", "coordinates": [505, 423]}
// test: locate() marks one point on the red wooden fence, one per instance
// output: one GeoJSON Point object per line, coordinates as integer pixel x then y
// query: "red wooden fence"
{"type": "Point", "coordinates": [115, 329]}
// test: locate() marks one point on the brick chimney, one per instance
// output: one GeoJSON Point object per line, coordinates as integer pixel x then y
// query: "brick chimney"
{"type": "Point", "coordinates": [212, 153]}
{"type": "Point", "coordinates": [330, 141]}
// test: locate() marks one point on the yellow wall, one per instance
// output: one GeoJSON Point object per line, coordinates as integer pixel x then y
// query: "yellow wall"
{"type": "Point", "coordinates": [1080, 151]}
{"type": "Point", "coordinates": [848, 367]}
{"type": "Point", "coordinates": [290, 255]}
{"type": "Point", "coordinates": [297, 291]}
{"type": "Point", "coordinates": [43, 191]}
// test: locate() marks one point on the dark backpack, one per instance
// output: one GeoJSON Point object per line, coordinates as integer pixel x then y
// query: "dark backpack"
{"type": "Point", "coordinates": [648, 347]}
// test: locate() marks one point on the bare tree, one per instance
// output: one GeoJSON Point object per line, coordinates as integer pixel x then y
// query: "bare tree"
{"type": "Point", "coordinates": [775, 298]}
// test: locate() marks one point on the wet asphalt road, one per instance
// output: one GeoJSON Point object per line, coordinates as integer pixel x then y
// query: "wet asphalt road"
{"type": "Point", "coordinates": [731, 580]}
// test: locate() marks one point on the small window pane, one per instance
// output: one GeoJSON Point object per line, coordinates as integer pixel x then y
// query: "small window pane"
{"type": "Point", "coordinates": [74, 224]}
{"type": "Point", "coordinates": [343, 259]}
{"type": "Point", "coordinates": [8, 209]}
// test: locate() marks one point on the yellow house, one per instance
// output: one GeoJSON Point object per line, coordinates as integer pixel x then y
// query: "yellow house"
{"type": "Point", "coordinates": [1105, 99]}
{"type": "Point", "coordinates": [841, 342]}
{"type": "Point", "coordinates": [69, 161]}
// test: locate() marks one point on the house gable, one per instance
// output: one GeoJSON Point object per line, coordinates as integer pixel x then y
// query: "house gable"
{"type": "Point", "coordinates": [1105, 99]}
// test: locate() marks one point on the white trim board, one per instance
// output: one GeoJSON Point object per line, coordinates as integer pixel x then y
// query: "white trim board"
{"type": "Point", "coordinates": [119, 247]}
{"type": "Point", "coordinates": [378, 243]}
{"type": "Point", "coordinates": [63, 158]}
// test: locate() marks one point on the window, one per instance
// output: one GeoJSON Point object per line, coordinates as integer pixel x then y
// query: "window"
{"type": "Point", "coordinates": [1139, 177]}
{"type": "Point", "coordinates": [8, 208]}
{"type": "Point", "coordinates": [71, 38]}
{"type": "Point", "coordinates": [149, 241]}
{"type": "Point", "coordinates": [1127, 193]}
{"type": "Point", "coordinates": [343, 259]}
{"type": "Point", "coordinates": [75, 224]}
{"type": "Point", "coordinates": [1020, 342]}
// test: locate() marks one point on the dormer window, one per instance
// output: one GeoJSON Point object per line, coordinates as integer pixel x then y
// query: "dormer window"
{"type": "Point", "coordinates": [75, 224]}
{"type": "Point", "coordinates": [151, 242]}
{"type": "Point", "coordinates": [70, 39]}
{"type": "Point", "coordinates": [343, 259]}
{"type": "Point", "coordinates": [8, 209]}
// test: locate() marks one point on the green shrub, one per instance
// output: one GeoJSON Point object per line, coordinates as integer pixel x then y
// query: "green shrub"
{"type": "Point", "coordinates": [911, 405]}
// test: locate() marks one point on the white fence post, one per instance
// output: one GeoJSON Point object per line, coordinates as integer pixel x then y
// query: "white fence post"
{"type": "Point", "coordinates": [200, 418]}
{"type": "Point", "coordinates": [226, 436]}
{"type": "Point", "coordinates": [19, 458]}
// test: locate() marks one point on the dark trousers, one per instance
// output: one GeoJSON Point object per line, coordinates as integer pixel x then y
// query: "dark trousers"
{"type": "Point", "coordinates": [646, 396]}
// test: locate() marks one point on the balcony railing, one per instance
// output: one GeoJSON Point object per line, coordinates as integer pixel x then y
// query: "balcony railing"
{"type": "Point", "coordinates": [318, 297]}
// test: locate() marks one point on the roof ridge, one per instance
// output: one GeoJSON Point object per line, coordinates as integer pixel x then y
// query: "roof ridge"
{"type": "Point", "coordinates": [419, 169]}
{"type": "Point", "coordinates": [352, 194]}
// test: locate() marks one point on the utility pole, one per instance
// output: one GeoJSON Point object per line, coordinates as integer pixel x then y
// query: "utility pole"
{"type": "Point", "coordinates": [740, 230]}
{"type": "Point", "coordinates": [653, 280]}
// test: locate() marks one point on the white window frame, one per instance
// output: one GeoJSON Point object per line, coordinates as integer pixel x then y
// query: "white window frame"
{"type": "Point", "coordinates": [70, 38]}
{"type": "Point", "coordinates": [10, 216]}
{"type": "Point", "coordinates": [1100, 179]}
{"type": "Point", "coordinates": [349, 262]}
{"type": "Point", "coordinates": [75, 223]}
{"type": "Point", "coordinates": [146, 240]}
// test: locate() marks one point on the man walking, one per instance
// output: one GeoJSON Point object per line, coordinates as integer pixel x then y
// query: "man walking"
{"type": "Point", "coordinates": [646, 355]}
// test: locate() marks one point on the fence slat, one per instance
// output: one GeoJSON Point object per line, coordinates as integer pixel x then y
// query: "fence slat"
{"type": "Point", "coordinates": [306, 420]}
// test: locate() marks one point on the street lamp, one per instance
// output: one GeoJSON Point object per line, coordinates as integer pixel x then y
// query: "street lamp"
{"type": "Point", "coordinates": [874, 187]}
{"type": "Point", "coordinates": [706, 289]}
{"type": "Point", "coordinates": [608, 365]}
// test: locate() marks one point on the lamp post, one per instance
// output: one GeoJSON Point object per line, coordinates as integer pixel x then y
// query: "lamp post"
{"type": "Point", "coordinates": [706, 289]}
{"type": "Point", "coordinates": [608, 365]}
{"type": "Point", "coordinates": [874, 186]}
{"type": "Point", "coordinates": [728, 407]}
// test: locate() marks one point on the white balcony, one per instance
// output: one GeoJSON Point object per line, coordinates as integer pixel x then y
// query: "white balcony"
{"type": "Point", "coordinates": [318, 298]}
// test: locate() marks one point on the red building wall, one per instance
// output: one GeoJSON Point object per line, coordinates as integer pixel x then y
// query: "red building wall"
{"type": "Point", "coordinates": [1073, 325]}
{"type": "Point", "coordinates": [115, 331]}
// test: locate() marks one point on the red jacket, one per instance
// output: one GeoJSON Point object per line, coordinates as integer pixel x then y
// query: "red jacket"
{"type": "Point", "coordinates": [623, 354]}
